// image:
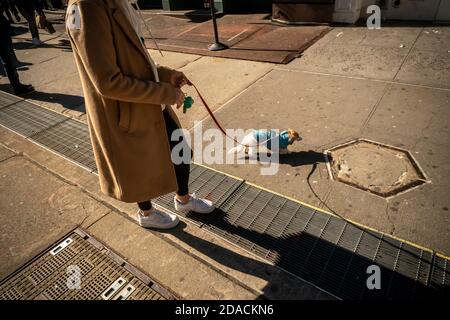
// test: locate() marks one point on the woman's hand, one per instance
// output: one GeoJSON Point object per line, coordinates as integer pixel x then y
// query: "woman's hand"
{"type": "Point", "coordinates": [180, 97]}
{"type": "Point", "coordinates": [178, 79]}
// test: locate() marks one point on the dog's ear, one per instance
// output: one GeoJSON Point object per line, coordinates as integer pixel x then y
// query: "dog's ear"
{"type": "Point", "coordinates": [294, 134]}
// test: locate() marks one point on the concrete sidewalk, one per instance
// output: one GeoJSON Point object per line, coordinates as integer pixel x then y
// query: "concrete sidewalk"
{"type": "Point", "coordinates": [389, 85]}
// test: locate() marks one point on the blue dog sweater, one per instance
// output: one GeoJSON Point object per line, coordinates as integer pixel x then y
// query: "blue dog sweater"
{"type": "Point", "coordinates": [269, 135]}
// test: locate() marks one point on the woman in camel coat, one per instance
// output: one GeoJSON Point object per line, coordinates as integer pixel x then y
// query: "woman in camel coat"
{"type": "Point", "coordinates": [128, 102]}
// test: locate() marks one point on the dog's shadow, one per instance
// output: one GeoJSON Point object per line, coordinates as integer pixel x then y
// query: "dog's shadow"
{"type": "Point", "coordinates": [301, 158]}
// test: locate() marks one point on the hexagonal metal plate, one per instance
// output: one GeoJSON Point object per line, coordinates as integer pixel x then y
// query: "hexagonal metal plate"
{"type": "Point", "coordinates": [378, 168]}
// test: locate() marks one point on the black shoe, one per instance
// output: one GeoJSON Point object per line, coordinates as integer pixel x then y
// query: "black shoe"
{"type": "Point", "coordinates": [23, 89]}
{"type": "Point", "coordinates": [22, 65]}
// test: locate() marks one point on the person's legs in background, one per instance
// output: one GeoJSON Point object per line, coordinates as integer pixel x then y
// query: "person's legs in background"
{"type": "Point", "coordinates": [2, 68]}
{"type": "Point", "coordinates": [5, 10]}
{"type": "Point", "coordinates": [38, 6]}
{"type": "Point", "coordinates": [26, 9]}
{"type": "Point", "coordinates": [13, 9]}
{"type": "Point", "coordinates": [9, 63]}
{"type": "Point", "coordinates": [48, 5]}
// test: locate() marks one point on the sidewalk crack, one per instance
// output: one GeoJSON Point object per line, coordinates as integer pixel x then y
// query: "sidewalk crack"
{"type": "Point", "coordinates": [391, 232]}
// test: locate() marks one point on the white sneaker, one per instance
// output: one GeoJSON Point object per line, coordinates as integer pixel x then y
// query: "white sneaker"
{"type": "Point", "coordinates": [157, 219]}
{"type": "Point", "coordinates": [36, 42]}
{"type": "Point", "coordinates": [194, 204]}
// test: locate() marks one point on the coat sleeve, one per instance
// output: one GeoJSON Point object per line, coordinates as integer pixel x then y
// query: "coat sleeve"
{"type": "Point", "coordinates": [95, 45]}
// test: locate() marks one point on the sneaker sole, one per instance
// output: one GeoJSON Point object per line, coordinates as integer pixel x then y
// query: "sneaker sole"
{"type": "Point", "coordinates": [188, 211]}
{"type": "Point", "coordinates": [170, 226]}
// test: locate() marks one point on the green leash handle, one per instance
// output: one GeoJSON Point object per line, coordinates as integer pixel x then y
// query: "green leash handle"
{"type": "Point", "coordinates": [187, 104]}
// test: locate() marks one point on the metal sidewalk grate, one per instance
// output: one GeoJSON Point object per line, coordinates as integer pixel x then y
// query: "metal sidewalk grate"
{"type": "Point", "coordinates": [206, 183]}
{"type": "Point", "coordinates": [27, 119]}
{"type": "Point", "coordinates": [440, 275]}
{"type": "Point", "coordinates": [70, 139]}
{"type": "Point", "coordinates": [8, 99]}
{"type": "Point", "coordinates": [101, 273]}
{"type": "Point", "coordinates": [319, 248]}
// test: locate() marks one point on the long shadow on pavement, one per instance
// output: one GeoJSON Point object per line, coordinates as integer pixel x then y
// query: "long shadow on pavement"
{"type": "Point", "coordinates": [68, 101]}
{"type": "Point", "coordinates": [63, 44]}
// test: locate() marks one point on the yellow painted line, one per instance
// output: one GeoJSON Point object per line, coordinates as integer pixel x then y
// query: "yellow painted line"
{"type": "Point", "coordinates": [442, 256]}
{"type": "Point", "coordinates": [327, 212]}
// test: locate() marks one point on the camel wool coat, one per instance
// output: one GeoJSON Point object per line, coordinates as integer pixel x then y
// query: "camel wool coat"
{"type": "Point", "coordinates": [123, 102]}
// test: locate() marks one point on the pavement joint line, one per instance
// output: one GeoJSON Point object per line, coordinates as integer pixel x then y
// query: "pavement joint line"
{"type": "Point", "coordinates": [90, 194]}
{"type": "Point", "coordinates": [249, 183]}
{"type": "Point", "coordinates": [187, 63]}
{"type": "Point", "coordinates": [327, 196]}
{"type": "Point", "coordinates": [238, 34]}
{"type": "Point", "coordinates": [389, 219]}
{"type": "Point", "coordinates": [386, 89]}
{"type": "Point", "coordinates": [407, 55]}
{"type": "Point", "coordinates": [339, 141]}
{"type": "Point", "coordinates": [187, 30]}
{"type": "Point", "coordinates": [361, 78]}
{"type": "Point", "coordinates": [30, 137]}
{"type": "Point", "coordinates": [11, 104]}
{"type": "Point", "coordinates": [233, 98]}
{"type": "Point", "coordinates": [67, 111]}
{"type": "Point", "coordinates": [47, 60]}
{"type": "Point", "coordinates": [56, 175]}
{"type": "Point", "coordinates": [10, 157]}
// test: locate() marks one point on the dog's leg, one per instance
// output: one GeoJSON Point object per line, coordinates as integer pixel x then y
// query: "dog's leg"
{"type": "Point", "coordinates": [251, 152]}
{"type": "Point", "coordinates": [247, 142]}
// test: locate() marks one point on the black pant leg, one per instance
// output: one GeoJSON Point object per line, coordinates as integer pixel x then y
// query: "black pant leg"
{"type": "Point", "coordinates": [182, 169]}
{"type": "Point", "coordinates": [9, 63]}
{"type": "Point", "coordinates": [26, 9]}
{"type": "Point", "coordinates": [145, 206]}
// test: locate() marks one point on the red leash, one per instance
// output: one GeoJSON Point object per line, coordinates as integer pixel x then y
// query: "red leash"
{"type": "Point", "coordinates": [218, 123]}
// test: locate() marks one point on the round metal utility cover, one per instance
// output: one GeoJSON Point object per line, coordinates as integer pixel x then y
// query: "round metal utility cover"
{"type": "Point", "coordinates": [381, 169]}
